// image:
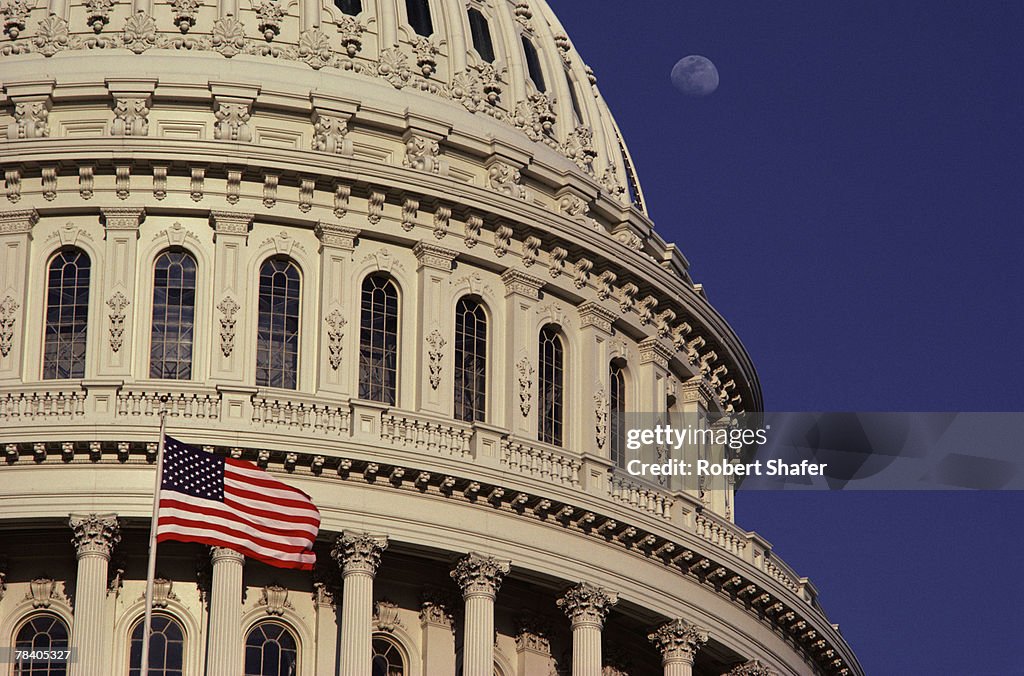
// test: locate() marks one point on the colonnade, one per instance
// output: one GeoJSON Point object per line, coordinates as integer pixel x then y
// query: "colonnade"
{"type": "Point", "coordinates": [358, 555]}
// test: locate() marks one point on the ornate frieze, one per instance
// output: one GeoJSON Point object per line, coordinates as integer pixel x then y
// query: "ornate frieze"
{"type": "Point", "coordinates": [358, 553]}
{"type": "Point", "coordinates": [678, 641]}
{"type": "Point", "coordinates": [480, 575]}
{"type": "Point", "coordinates": [95, 534]}
{"type": "Point", "coordinates": [587, 604]}
{"type": "Point", "coordinates": [18, 222]}
{"type": "Point", "coordinates": [117, 304]}
{"type": "Point", "coordinates": [8, 317]}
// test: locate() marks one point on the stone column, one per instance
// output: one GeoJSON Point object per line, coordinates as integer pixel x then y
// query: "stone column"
{"type": "Point", "coordinates": [434, 360]}
{"type": "Point", "coordinates": [480, 578]}
{"type": "Point", "coordinates": [336, 370]}
{"type": "Point", "coordinates": [225, 645]}
{"type": "Point", "coordinates": [587, 606]}
{"type": "Point", "coordinates": [678, 642]}
{"type": "Point", "coordinates": [522, 292]}
{"type": "Point", "coordinates": [228, 358]}
{"type": "Point", "coordinates": [358, 554]}
{"type": "Point", "coordinates": [121, 232]}
{"type": "Point", "coordinates": [95, 536]}
{"type": "Point", "coordinates": [15, 242]}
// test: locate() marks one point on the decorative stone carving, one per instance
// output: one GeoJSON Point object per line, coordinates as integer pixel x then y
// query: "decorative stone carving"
{"type": "Point", "coordinates": [645, 309]}
{"type": "Point", "coordinates": [533, 634]}
{"type": "Point", "coordinates": [536, 116]}
{"type": "Point", "coordinates": [629, 239]}
{"type": "Point", "coordinates": [270, 14]}
{"type": "Point", "coordinates": [8, 316]}
{"type": "Point", "coordinates": [581, 272]}
{"type": "Point", "coordinates": [329, 132]}
{"type": "Point", "coordinates": [97, 13]}
{"type": "Point", "coordinates": [351, 33]}
{"type": "Point", "coordinates": [502, 239]}
{"type": "Point", "coordinates": [422, 153]}
{"type": "Point", "coordinates": [342, 193]}
{"type": "Point", "coordinates": [52, 35]}
{"type": "Point", "coordinates": [117, 304]}
{"type": "Point", "coordinates": [441, 218]}
{"type": "Point", "coordinates": [610, 181]}
{"type": "Point", "coordinates": [140, 32]}
{"type": "Point", "coordinates": [375, 206]}
{"type": "Point", "coordinates": [601, 416]}
{"type": "Point", "coordinates": [42, 591]}
{"type": "Point", "coordinates": [436, 608]}
{"type": "Point", "coordinates": [306, 188]}
{"type": "Point", "coordinates": [159, 182]}
{"type": "Point", "coordinates": [531, 247]}
{"type": "Point", "coordinates": [49, 183]}
{"type": "Point", "coordinates": [31, 120]}
{"type": "Point", "coordinates": [234, 186]}
{"type": "Point", "coordinates": [386, 616]}
{"type": "Point", "coordinates": [85, 181]}
{"type": "Point", "coordinates": [232, 120]}
{"type": "Point", "coordinates": [410, 207]}
{"type": "Point", "coordinates": [393, 66]}
{"type": "Point", "coordinates": [474, 224]}
{"type": "Point", "coordinates": [335, 333]}
{"type": "Point", "coordinates": [228, 36]}
{"type": "Point", "coordinates": [314, 48]}
{"type": "Point", "coordinates": [131, 116]}
{"type": "Point", "coordinates": [198, 177]}
{"type": "Point", "coordinates": [95, 534]}
{"type": "Point", "coordinates": [275, 599]}
{"type": "Point", "coordinates": [605, 284]}
{"type": "Point", "coordinates": [425, 52]}
{"type": "Point", "coordinates": [524, 371]}
{"type": "Point", "coordinates": [678, 641]}
{"type": "Point", "coordinates": [479, 575]}
{"type": "Point", "coordinates": [12, 184]}
{"type": "Point", "coordinates": [435, 353]}
{"type": "Point", "coordinates": [506, 179]}
{"type": "Point", "coordinates": [332, 234]}
{"type": "Point", "coordinates": [679, 333]}
{"type": "Point", "coordinates": [557, 265]}
{"type": "Point", "coordinates": [122, 181]}
{"type": "Point", "coordinates": [573, 206]}
{"type": "Point", "coordinates": [228, 307]}
{"type": "Point", "coordinates": [523, 14]}
{"type": "Point", "coordinates": [15, 13]}
{"type": "Point", "coordinates": [579, 147]}
{"type": "Point", "coordinates": [627, 296]}
{"type": "Point", "coordinates": [358, 552]}
{"type": "Point", "coordinates": [663, 322]}
{"type": "Point", "coordinates": [184, 14]}
{"type": "Point", "coordinates": [751, 668]}
{"type": "Point", "coordinates": [587, 604]}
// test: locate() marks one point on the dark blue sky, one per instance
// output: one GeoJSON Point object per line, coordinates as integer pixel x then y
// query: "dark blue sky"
{"type": "Point", "coordinates": [852, 198]}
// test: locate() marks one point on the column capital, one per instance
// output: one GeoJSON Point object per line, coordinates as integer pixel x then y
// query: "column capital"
{"type": "Point", "coordinates": [751, 668]}
{"type": "Point", "coordinates": [437, 609]}
{"type": "Point", "coordinates": [218, 554]}
{"type": "Point", "coordinates": [434, 256]}
{"type": "Point", "coordinates": [95, 534]}
{"type": "Point", "coordinates": [359, 552]}
{"type": "Point", "coordinates": [595, 314]}
{"type": "Point", "coordinates": [533, 634]}
{"type": "Point", "coordinates": [336, 235]}
{"type": "Point", "coordinates": [231, 222]}
{"type": "Point", "coordinates": [123, 218]}
{"type": "Point", "coordinates": [18, 221]}
{"type": "Point", "coordinates": [587, 604]}
{"type": "Point", "coordinates": [518, 282]}
{"type": "Point", "coordinates": [479, 575]}
{"type": "Point", "coordinates": [678, 641]}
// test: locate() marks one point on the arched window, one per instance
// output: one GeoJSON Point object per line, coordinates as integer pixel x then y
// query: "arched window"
{"type": "Point", "coordinates": [577, 110]}
{"type": "Point", "coordinates": [277, 334]}
{"type": "Point", "coordinates": [41, 632]}
{"type": "Point", "coordinates": [552, 365]}
{"type": "Point", "coordinates": [67, 314]}
{"type": "Point", "coordinates": [378, 340]}
{"type": "Point", "coordinates": [617, 406]}
{"type": "Point", "coordinates": [481, 33]}
{"type": "Point", "coordinates": [387, 658]}
{"type": "Point", "coordinates": [350, 7]}
{"type": "Point", "coordinates": [533, 64]}
{"type": "Point", "coordinates": [419, 16]}
{"type": "Point", "coordinates": [470, 360]}
{"type": "Point", "coordinates": [166, 648]}
{"type": "Point", "coordinates": [271, 650]}
{"type": "Point", "coordinates": [174, 308]}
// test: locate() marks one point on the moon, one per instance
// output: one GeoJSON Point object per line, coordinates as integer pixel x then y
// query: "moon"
{"type": "Point", "coordinates": [695, 75]}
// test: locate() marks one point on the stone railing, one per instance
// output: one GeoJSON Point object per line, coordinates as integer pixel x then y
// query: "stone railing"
{"type": "Point", "coordinates": [538, 462]}
{"type": "Point", "coordinates": [651, 500]}
{"type": "Point", "coordinates": [423, 435]}
{"type": "Point", "coordinates": [295, 413]}
{"type": "Point", "coordinates": [197, 403]}
{"type": "Point", "coordinates": [721, 533]}
{"type": "Point", "coordinates": [41, 404]}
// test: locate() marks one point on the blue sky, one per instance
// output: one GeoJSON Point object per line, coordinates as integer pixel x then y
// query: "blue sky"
{"type": "Point", "coordinates": [852, 198]}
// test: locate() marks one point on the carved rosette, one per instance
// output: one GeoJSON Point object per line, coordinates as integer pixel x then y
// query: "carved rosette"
{"type": "Point", "coordinates": [479, 575]}
{"type": "Point", "coordinates": [359, 553]}
{"type": "Point", "coordinates": [587, 604]}
{"type": "Point", "coordinates": [228, 307]}
{"type": "Point", "coordinates": [678, 641]}
{"type": "Point", "coordinates": [95, 534]}
{"type": "Point", "coordinates": [435, 343]}
{"type": "Point", "coordinates": [117, 304]}
{"type": "Point", "coordinates": [8, 316]}
{"type": "Point", "coordinates": [751, 668]}
{"type": "Point", "coordinates": [335, 333]}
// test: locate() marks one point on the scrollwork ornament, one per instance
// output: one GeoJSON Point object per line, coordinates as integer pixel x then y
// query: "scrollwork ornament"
{"type": "Point", "coordinates": [335, 333]}
{"type": "Point", "coordinates": [435, 353]}
{"type": "Point", "coordinates": [117, 304]}
{"type": "Point", "coordinates": [524, 371]}
{"type": "Point", "coordinates": [228, 307]}
{"type": "Point", "coordinates": [8, 316]}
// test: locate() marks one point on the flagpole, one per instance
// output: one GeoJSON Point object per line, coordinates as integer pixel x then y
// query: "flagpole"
{"type": "Point", "coordinates": [151, 568]}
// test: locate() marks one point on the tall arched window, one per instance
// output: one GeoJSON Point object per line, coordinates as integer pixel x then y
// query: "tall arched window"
{"type": "Point", "coordinates": [271, 650]}
{"type": "Point", "coordinates": [617, 406]}
{"type": "Point", "coordinates": [387, 658]}
{"type": "Point", "coordinates": [166, 648]}
{"type": "Point", "coordinates": [378, 340]}
{"type": "Point", "coordinates": [67, 314]}
{"type": "Point", "coordinates": [174, 309]}
{"type": "Point", "coordinates": [481, 34]}
{"type": "Point", "coordinates": [350, 7]}
{"type": "Point", "coordinates": [41, 632]}
{"type": "Point", "coordinates": [552, 366]}
{"type": "Point", "coordinates": [419, 16]}
{"type": "Point", "coordinates": [470, 360]}
{"type": "Point", "coordinates": [577, 110]}
{"type": "Point", "coordinates": [533, 64]}
{"type": "Point", "coordinates": [277, 334]}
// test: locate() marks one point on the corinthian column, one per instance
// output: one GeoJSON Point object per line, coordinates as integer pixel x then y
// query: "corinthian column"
{"type": "Point", "coordinates": [480, 578]}
{"type": "Point", "coordinates": [587, 605]}
{"type": "Point", "coordinates": [225, 654]}
{"type": "Point", "coordinates": [678, 642]}
{"type": "Point", "coordinates": [358, 554]}
{"type": "Point", "coordinates": [95, 536]}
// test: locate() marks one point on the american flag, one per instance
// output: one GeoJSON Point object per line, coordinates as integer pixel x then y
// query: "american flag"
{"type": "Point", "coordinates": [232, 503]}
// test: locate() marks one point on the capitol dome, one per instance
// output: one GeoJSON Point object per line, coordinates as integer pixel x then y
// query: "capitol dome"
{"type": "Point", "coordinates": [394, 252]}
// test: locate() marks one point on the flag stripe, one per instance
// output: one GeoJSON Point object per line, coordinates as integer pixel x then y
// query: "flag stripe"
{"type": "Point", "coordinates": [231, 503]}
